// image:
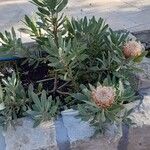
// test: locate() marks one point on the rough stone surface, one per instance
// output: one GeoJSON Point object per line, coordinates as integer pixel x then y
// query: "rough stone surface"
{"type": "Point", "coordinates": [77, 129]}
{"type": "Point", "coordinates": [139, 138]}
{"type": "Point", "coordinates": [139, 134]}
{"type": "Point", "coordinates": [144, 75]}
{"type": "Point", "coordinates": [144, 37]}
{"type": "Point", "coordinates": [145, 66]}
{"type": "Point", "coordinates": [25, 137]}
{"type": "Point", "coordinates": [12, 14]}
{"type": "Point", "coordinates": [141, 114]}
{"type": "Point", "coordinates": [96, 144]}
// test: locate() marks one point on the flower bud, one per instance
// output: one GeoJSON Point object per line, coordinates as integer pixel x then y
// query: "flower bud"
{"type": "Point", "coordinates": [132, 49]}
{"type": "Point", "coordinates": [104, 96]}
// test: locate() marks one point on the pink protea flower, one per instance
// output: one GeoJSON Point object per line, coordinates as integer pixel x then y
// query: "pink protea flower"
{"type": "Point", "coordinates": [132, 49]}
{"type": "Point", "coordinates": [104, 96]}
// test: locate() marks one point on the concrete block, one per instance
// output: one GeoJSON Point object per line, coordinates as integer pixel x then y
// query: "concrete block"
{"type": "Point", "coordinates": [63, 140]}
{"type": "Point", "coordinates": [25, 137]}
{"type": "Point", "coordinates": [139, 134]}
{"type": "Point", "coordinates": [141, 114]}
{"type": "Point", "coordinates": [77, 129]}
{"type": "Point", "coordinates": [144, 75]}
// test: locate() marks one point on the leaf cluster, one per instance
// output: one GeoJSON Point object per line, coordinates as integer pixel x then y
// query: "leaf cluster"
{"type": "Point", "coordinates": [10, 44]}
{"type": "Point", "coordinates": [13, 100]}
{"type": "Point", "coordinates": [43, 109]}
{"type": "Point", "coordinates": [98, 117]}
{"type": "Point", "coordinates": [49, 20]}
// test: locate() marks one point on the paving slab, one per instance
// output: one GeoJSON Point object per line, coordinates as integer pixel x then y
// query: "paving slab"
{"type": "Point", "coordinates": [12, 12]}
{"type": "Point", "coordinates": [132, 15]}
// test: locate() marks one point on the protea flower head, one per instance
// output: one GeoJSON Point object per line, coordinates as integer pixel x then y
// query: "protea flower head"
{"type": "Point", "coordinates": [132, 49]}
{"type": "Point", "coordinates": [104, 96]}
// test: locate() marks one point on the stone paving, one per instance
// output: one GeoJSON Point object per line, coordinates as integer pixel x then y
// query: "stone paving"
{"type": "Point", "coordinates": [132, 15]}
{"type": "Point", "coordinates": [120, 14]}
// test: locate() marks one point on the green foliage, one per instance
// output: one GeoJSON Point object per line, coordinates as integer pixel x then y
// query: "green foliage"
{"type": "Point", "coordinates": [49, 26]}
{"type": "Point", "coordinates": [98, 117]}
{"type": "Point", "coordinates": [13, 101]}
{"type": "Point", "coordinates": [77, 51]}
{"type": "Point", "coordinates": [103, 49]}
{"type": "Point", "coordinates": [66, 59]}
{"type": "Point", "coordinates": [33, 30]}
{"type": "Point", "coordinates": [50, 22]}
{"type": "Point", "coordinates": [82, 51]}
{"type": "Point", "coordinates": [10, 43]}
{"type": "Point", "coordinates": [43, 109]}
{"type": "Point", "coordinates": [90, 31]}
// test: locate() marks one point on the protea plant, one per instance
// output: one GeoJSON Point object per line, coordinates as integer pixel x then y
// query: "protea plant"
{"type": "Point", "coordinates": [132, 49]}
{"type": "Point", "coordinates": [104, 104]}
{"type": "Point", "coordinates": [104, 96]}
